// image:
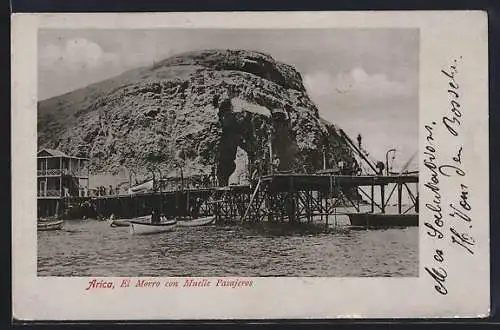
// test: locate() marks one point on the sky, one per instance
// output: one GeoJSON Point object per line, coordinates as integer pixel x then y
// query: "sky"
{"type": "Point", "coordinates": [363, 80]}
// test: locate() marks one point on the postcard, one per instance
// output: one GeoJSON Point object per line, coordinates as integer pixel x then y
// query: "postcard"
{"type": "Point", "coordinates": [250, 165]}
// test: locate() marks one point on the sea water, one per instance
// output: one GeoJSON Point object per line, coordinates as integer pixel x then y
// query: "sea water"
{"type": "Point", "coordinates": [93, 248]}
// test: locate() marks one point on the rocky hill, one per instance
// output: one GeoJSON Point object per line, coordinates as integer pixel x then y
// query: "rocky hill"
{"type": "Point", "coordinates": [194, 110]}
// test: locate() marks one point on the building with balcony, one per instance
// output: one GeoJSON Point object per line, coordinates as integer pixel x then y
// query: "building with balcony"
{"type": "Point", "coordinates": [59, 176]}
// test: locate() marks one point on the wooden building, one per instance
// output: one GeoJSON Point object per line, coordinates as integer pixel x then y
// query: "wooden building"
{"type": "Point", "coordinates": [59, 176]}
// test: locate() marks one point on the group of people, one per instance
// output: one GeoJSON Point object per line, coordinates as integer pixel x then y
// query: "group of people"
{"type": "Point", "coordinates": [103, 191]}
{"type": "Point", "coordinates": [157, 217]}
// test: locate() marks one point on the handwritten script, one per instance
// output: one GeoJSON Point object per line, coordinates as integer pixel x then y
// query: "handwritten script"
{"type": "Point", "coordinates": [451, 222]}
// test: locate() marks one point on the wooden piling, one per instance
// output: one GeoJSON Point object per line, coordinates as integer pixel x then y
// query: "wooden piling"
{"type": "Point", "coordinates": [372, 193]}
{"type": "Point", "coordinates": [382, 197]}
{"type": "Point", "coordinates": [400, 192]}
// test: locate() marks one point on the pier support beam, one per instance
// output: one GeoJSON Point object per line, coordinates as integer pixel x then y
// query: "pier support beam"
{"type": "Point", "coordinates": [400, 192]}
{"type": "Point", "coordinates": [372, 193]}
{"type": "Point", "coordinates": [382, 197]}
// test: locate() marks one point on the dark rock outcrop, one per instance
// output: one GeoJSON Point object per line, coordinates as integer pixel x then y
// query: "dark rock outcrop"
{"type": "Point", "coordinates": [194, 110]}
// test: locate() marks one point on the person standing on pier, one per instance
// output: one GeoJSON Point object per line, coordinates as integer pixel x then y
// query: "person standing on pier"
{"type": "Point", "coordinates": [380, 167]}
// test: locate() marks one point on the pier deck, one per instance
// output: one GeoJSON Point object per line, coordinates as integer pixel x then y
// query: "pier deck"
{"type": "Point", "coordinates": [317, 182]}
{"type": "Point", "coordinates": [279, 197]}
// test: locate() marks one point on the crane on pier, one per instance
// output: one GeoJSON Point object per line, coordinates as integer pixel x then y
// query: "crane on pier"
{"type": "Point", "coordinates": [371, 163]}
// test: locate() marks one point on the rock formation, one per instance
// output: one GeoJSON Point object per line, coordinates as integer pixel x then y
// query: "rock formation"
{"type": "Point", "coordinates": [193, 111]}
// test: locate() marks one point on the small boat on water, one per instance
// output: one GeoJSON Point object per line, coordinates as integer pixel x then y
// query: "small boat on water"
{"type": "Point", "coordinates": [119, 223]}
{"type": "Point", "coordinates": [197, 222]}
{"type": "Point", "coordinates": [126, 222]}
{"type": "Point", "coordinates": [383, 220]}
{"type": "Point", "coordinates": [142, 228]}
{"type": "Point", "coordinates": [49, 225]}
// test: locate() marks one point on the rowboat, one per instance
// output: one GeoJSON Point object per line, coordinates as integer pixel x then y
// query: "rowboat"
{"type": "Point", "coordinates": [197, 222]}
{"type": "Point", "coordinates": [45, 219]}
{"type": "Point", "coordinates": [143, 228]}
{"type": "Point", "coordinates": [119, 223]}
{"type": "Point", "coordinates": [126, 222]}
{"type": "Point", "coordinates": [383, 220]}
{"type": "Point", "coordinates": [49, 225]}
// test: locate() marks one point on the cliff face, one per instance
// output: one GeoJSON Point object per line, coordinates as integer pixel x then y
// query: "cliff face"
{"type": "Point", "coordinates": [194, 110]}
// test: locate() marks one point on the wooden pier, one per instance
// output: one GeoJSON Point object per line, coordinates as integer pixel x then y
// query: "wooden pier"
{"type": "Point", "coordinates": [298, 198]}
{"type": "Point", "coordinates": [275, 198]}
{"type": "Point", "coordinates": [181, 203]}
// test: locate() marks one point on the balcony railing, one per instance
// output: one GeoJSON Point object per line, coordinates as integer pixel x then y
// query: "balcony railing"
{"type": "Point", "coordinates": [56, 193]}
{"type": "Point", "coordinates": [50, 171]}
{"type": "Point", "coordinates": [49, 193]}
{"type": "Point", "coordinates": [61, 171]}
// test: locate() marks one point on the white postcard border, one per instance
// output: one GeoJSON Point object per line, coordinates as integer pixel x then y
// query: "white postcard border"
{"type": "Point", "coordinates": [445, 36]}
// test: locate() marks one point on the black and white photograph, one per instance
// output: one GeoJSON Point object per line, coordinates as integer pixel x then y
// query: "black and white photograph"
{"type": "Point", "coordinates": [250, 166]}
{"type": "Point", "coordinates": [228, 152]}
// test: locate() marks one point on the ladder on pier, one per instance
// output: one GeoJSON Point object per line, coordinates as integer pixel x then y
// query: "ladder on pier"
{"type": "Point", "coordinates": [256, 190]}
